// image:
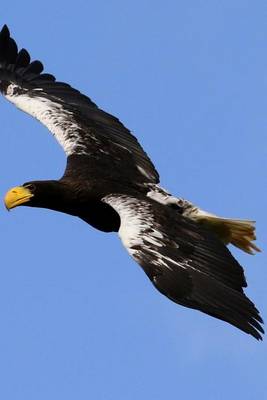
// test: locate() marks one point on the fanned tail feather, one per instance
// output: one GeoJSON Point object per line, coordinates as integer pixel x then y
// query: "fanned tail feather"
{"type": "Point", "coordinates": [238, 232]}
{"type": "Point", "coordinates": [242, 234]}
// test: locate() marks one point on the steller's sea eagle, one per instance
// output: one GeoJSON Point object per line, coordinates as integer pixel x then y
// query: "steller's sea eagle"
{"type": "Point", "coordinates": [111, 184]}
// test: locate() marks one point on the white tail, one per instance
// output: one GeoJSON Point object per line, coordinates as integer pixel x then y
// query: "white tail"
{"type": "Point", "coordinates": [238, 232]}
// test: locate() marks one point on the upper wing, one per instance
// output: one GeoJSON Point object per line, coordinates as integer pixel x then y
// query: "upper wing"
{"type": "Point", "coordinates": [76, 122]}
{"type": "Point", "coordinates": [185, 262]}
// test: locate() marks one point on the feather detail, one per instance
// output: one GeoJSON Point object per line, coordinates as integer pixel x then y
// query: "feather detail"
{"type": "Point", "coordinates": [185, 261]}
{"type": "Point", "coordinates": [238, 232]}
{"type": "Point", "coordinates": [80, 127]}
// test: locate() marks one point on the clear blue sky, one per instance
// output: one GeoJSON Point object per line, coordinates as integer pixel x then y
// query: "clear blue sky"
{"type": "Point", "coordinates": [79, 319]}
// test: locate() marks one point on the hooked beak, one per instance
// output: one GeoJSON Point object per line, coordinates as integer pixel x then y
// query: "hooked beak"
{"type": "Point", "coordinates": [17, 196]}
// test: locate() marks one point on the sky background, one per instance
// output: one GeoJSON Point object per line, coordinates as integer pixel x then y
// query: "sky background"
{"type": "Point", "coordinates": [78, 318]}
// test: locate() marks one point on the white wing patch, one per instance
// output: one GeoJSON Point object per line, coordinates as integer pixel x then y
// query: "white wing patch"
{"type": "Point", "coordinates": [139, 231]}
{"type": "Point", "coordinates": [136, 219]}
{"type": "Point", "coordinates": [161, 195]}
{"type": "Point", "coordinates": [58, 120]}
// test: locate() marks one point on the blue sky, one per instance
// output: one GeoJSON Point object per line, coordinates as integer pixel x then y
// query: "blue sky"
{"type": "Point", "coordinates": [79, 319]}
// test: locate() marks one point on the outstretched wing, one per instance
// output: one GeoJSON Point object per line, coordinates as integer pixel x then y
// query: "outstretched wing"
{"type": "Point", "coordinates": [185, 262]}
{"type": "Point", "coordinates": [81, 128]}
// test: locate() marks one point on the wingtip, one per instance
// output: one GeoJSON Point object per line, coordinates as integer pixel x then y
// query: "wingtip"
{"type": "Point", "coordinates": [258, 336]}
{"type": "Point", "coordinates": [5, 31]}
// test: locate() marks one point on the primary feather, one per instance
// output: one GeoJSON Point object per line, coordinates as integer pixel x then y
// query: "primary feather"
{"type": "Point", "coordinates": [79, 126]}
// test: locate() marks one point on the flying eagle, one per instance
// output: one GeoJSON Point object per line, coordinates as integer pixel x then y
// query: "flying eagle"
{"type": "Point", "coordinates": [111, 184]}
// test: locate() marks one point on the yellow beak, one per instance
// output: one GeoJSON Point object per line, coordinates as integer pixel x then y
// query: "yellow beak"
{"type": "Point", "coordinates": [17, 196]}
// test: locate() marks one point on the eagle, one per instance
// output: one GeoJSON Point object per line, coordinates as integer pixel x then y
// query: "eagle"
{"type": "Point", "coordinates": [111, 183]}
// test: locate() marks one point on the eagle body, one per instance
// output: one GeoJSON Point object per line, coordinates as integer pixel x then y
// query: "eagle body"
{"type": "Point", "coordinates": [110, 183]}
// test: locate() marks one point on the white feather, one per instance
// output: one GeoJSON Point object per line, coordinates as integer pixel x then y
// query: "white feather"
{"type": "Point", "coordinates": [160, 195]}
{"type": "Point", "coordinates": [58, 120]}
{"type": "Point", "coordinates": [136, 220]}
{"type": "Point", "coordinates": [138, 228]}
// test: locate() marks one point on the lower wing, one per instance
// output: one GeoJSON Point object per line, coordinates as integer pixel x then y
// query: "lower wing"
{"type": "Point", "coordinates": [185, 261]}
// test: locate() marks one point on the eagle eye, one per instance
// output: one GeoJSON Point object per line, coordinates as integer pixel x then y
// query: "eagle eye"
{"type": "Point", "coordinates": [31, 187]}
